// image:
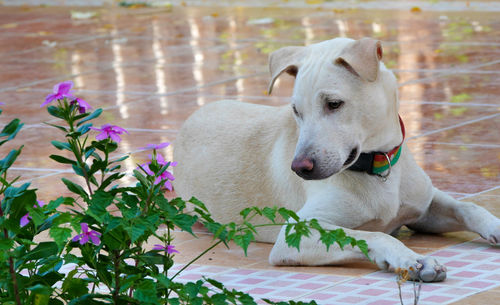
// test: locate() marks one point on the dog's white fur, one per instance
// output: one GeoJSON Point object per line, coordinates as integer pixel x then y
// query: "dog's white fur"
{"type": "Point", "coordinates": [233, 155]}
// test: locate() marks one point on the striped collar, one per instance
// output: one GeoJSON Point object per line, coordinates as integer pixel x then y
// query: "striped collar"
{"type": "Point", "coordinates": [376, 163]}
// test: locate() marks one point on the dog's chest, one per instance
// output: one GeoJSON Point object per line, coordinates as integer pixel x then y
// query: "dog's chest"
{"type": "Point", "coordinates": [372, 205]}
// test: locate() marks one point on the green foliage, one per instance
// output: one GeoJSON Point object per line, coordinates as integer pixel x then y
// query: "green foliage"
{"type": "Point", "coordinates": [110, 225]}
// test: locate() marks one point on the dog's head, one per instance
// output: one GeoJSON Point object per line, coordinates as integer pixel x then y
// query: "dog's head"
{"type": "Point", "coordinates": [344, 101]}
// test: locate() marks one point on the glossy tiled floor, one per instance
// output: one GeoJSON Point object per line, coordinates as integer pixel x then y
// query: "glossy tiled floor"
{"type": "Point", "coordinates": [150, 68]}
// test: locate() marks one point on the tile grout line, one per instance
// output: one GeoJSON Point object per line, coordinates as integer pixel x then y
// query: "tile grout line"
{"type": "Point", "coordinates": [455, 126]}
{"type": "Point", "coordinates": [480, 193]}
{"type": "Point", "coordinates": [450, 72]}
{"type": "Point", "coordinates": [466, 144]}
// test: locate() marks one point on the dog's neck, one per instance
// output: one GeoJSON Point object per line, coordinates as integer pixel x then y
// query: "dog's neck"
{"type": "Point", "coordinates": [378, 162]}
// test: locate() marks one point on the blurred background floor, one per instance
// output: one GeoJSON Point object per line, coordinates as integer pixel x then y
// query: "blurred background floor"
{"type": "Point", "coordinates": [150, 67]}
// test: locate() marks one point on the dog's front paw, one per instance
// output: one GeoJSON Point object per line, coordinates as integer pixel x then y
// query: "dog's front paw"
{"type": "Point", "coordinates": [492, 232]}
{"type": "Point", "coordinates": [427, 269]}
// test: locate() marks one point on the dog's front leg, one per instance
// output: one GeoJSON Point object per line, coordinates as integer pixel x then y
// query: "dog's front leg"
{"type": "Point", "coordinates": [446, 214]}
{"type": "Point", "coordinates": [386, 251]}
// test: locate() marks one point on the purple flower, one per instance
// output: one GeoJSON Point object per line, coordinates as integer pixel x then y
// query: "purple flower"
{"type": "Point", "coordinates": [61, 91]}
{"type": "Point", "coordinates": [83, 106]}
{"type": "Point", "coordinates": [26, 218]}
{"type": "Point", "coordinates": [109, 131]}
{"type": "Point", "coordinates": [86, 235]}
{"type": "Point", "coordinates": [165, 176]}
{"type": "Point", "coordinates": [2, 103]}
{"type": "Point", "coordinates": [169, 248]}
{"type": "Point", "coordinates": [156, 146]}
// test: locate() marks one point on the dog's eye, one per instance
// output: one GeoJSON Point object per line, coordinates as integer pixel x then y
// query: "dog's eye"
{"type": "Point", "coordinates": [295, 111]}
{"type": "Point", "coordinates": [332, 105]}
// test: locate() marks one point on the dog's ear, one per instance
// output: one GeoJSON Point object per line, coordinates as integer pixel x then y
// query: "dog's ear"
{"type": "Point", "coordinates": [362, 57]}
{"type": "Point", "coordinates": [287, 60]}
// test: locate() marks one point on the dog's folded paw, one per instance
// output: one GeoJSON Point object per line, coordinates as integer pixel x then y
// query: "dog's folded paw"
{"type": "Point", "coordinates": [427, 270]}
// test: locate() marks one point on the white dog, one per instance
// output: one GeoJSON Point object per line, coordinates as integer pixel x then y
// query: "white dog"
{"type": "Point", "coordinates": [338, 134]}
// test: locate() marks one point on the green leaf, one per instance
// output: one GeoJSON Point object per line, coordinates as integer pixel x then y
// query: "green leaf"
{"type": "Point", "coordinates": [244, 240]}
{"type": "Point", "coordinates": [286, 214]}
{"type": "Point", "coordinates": [6, 244]}
{"type": "Point", "coordinates": [137, 230]}
{"type": "Point", "coordinates": [270, 213]}
{"type": "Point", "coordinates": [44, 249]}
{"type": "Point", "coordinates": [198, 203]}
{"type": "Point", "coordinates": [62, 159]}
{"type": "Point", "coordinates": [146, 292]}
{"type": "Point", "coordinates": [142, 179]}
{"type": "Point", "coordinates": [84, 128]}
{"type": "Point", "coordinates": [7, 162]}
{"type": "Point", "coordinates": [363, 246]}
{"type": "Point", "coordinates": [75, 188]}
{"type": "Point", "coordinates": [61, 145]}
{"type": "Point", "coordinates": [11, 130]}
{"type": "Point", "coordinates": [75, 287]}
{"type": "Point", "coordinates": [54, 204]}
{"type": "Point", "coordinates": [185, 222]}
{"type": "Point", "coordinates": [110, 179]}
{"type": "Point", "coordinates": [58, 127]}
{"type": "Point", "coordinates": [92, 116]}
{"type": "Point", "coordinates": [119, 159]}
{"type": "Point", "coordinates": [55, 111]}
{"type": "Point", "coordinates": [60, 235]}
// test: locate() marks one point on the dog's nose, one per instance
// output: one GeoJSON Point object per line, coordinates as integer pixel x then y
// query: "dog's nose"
{"type": "Point", "coordinates": [302, 165]}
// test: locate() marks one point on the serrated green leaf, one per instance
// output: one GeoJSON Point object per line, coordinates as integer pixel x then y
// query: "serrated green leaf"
{"type": "Point", "coordinates": [244, 240]}
{"type": "Point", "coordinates": [270, 213]}
{"type": "Point", "coordinates": [185, 222]}
{"type": "Point", "coordinates": [198, 203]}
{"type": "Point", "coordinates": [146, 292]}
{"type": "Point", "coordinates": [60, 235]}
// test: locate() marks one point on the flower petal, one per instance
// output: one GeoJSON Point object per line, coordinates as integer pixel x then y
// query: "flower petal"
{"type": "Point", "coordinates": [168, 185]}
{"type": "Point", "coordinates": [24, 220]}
{"type": "Point", "coordinates": [94, 237]}
{"type": "Point", "coordinates": [119, 129]}
{"type": "Point", "coordinates": [83, 104]}
{"type": "Point", "coordinates": [171, 249]}
{"type": "Point", "coordinates": [159, 247]}
{"type": "Point", "coordinates": [169, 175]}
{"type": "Point", "coordinates": [40, 203]}
{"type": "Point", "coordinates": [85, 227]}
{"type": "Point", "coordinates": [103, 135]}
{"type": "Point", "coordinates": [64, 87]}
{"type": "Point", "coordinates": [77, 237]}
{"type": "Point", "coordinates": [84, 239]}
{"type": "Point", "coordinates": [49, 99]}
{"type": "Point", "coordinates": [114, 137]}
{"type": "Point", "coordinates": [160, 159]}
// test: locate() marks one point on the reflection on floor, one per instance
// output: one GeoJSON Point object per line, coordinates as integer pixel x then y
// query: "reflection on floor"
{"type": "Point", "coordinates": [149, 68]}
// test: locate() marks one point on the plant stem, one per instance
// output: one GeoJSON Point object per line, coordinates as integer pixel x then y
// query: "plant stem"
{"type": "Point", "coordinates": [196, 258]}
{"type": "Point", "coordinates": [116, 263]}
{"type": "Point", "coordinates": [81, 163]}
{"type": "Point", "coordinates": [11, 266]}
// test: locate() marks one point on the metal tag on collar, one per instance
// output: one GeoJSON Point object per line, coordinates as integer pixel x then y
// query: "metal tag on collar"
{"type": "Point", "coordinates": [384, 177]}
